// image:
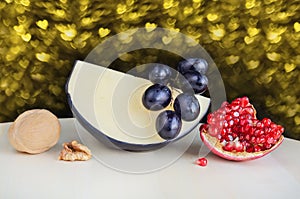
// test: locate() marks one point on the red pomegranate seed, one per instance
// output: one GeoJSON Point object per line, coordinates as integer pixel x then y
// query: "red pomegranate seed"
{"type": "Point", "coordinates": [244, 101]}
{"type": "Point", "coordinates": [270, 140]}
{"type": "Point", "coordinates": [230, 123]}
{"type": "Point", "coordinates": [250, 149]}
{"type": "Point", "coordinates": [229, 146]}
{"type": "Point", "coordinates": [253, 140]}
{"type": "Point", "coordinates": [273, 125]}
{"type": "Point", "coordinates": [228, 117]}
{"type": "Point", "coordinates": [248, 110]}
{"type": "Point", "coordinates": [236, 120]}
{"type": "Point", "coordinates": [247, 137]}
{"type": "Point", "coordinates": [280, 128]}
{"type": "Point", "coordinates": [239, 147]}
{"type": "Point", "coordinates": [260, 140]}
{"type": "Point", "coordinates": [250, 130]}
{"type": "Point", "coordinates": [234, 135]}
{"type": "Point", "coordinates": [209, 118]}
{"type": "Point", "coordinates": [244, 122]}
{"type": "Point", "coordinates": [257, 148]}
{"type": "Point", "coordinates": [266, 121]}
{"type": "Point", "coordinates": [267, 145]}
{"type": "Point", "coordinates": [224, 104]}
{"type": "Point", "coordinates": [260, 125]}
{"type": "Point", "coordinates": [201, 162]}
{"type": "Point", "coordinates": [277, 134]}
{"type": "Point", "coordinates": [224, 132]}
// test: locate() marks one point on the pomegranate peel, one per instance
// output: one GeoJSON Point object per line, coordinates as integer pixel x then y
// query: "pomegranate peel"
{"type": "Point", "coordinates": [233, 132]}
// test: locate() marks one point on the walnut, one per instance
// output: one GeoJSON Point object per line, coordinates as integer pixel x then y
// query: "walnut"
{"type": "Point", "coordinates": [34, 131]}
{"type": "Point", "coordinates": [73, 151]}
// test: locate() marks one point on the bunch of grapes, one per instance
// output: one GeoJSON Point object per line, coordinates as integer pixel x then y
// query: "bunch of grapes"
{"type": "Point", "coordinates": [186, 106]}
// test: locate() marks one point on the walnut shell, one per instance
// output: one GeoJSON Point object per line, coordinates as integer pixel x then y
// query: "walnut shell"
{"type": "Point", "coordinates": [34, 131]}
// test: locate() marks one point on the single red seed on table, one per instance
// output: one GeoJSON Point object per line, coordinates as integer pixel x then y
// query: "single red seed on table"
{"type": "Point", "coordinates": [202, 162]}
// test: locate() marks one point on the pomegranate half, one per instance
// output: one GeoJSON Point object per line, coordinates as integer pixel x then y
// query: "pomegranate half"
{"type": "Point", "coordinates": [233, 132]}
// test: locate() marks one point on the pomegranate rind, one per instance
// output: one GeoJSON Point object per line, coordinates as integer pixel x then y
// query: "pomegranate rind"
{"type": "Point", "coordinates": [215, 146]}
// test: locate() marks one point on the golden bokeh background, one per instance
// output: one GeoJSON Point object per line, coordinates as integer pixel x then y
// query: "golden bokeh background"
{"type": "Point", "coordinates": [255, 44]}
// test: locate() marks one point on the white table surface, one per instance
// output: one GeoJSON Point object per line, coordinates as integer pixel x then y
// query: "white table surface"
{"type": "Point", "coordinates": [276, 175]}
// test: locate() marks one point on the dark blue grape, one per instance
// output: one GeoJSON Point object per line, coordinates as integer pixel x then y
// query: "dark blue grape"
{"type": "Point", "coordinates": [160, 74]}
{"type": "Point", "coordinates": [193, 64]}
{"type": "Point", "coordinates": [168, 124]}
{"type": "Point", "coordinates": [187, 106]}
{"type": "Point", "coordinates": [197, 81]}
{"type": "Point", "coordinates": [201, 66]}
{"type": "Point", "coordinates": [157, 97]}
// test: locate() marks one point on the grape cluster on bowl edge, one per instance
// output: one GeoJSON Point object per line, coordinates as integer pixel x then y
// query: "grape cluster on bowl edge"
{"type": "Point", "coordinates": [186, 106]}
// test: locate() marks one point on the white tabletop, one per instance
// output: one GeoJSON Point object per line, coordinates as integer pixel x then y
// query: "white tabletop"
{"type": "Point", "coordinates": [276, 175]}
